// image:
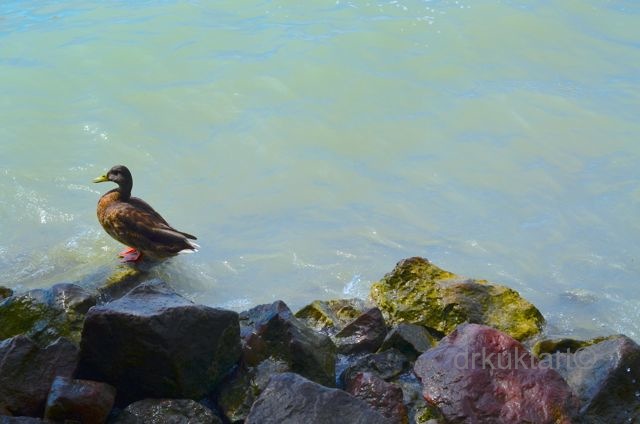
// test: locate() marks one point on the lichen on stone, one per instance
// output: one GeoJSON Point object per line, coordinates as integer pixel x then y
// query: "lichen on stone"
{"type": "Point", "coordinates": [418, 292]}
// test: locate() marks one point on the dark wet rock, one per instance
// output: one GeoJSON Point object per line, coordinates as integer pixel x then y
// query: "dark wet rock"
{"type": "Point", "coordinates": [410, 339]}
{"type": "Point", "coordinates": [155, 343]}
{"type": "Point", "coordinates": [292, 399]}
{"type": "Point", "coordinates": [271, 331]}
{"type": "Point", "coordinates": [385, 397]}
{"type": "Point", "coordinates": [605, 374]}
{"type": "Point", "coordinates": [481, 366]}
{"type": "Point", "coordinates": [386, 365]}
{"type": "Point", "coordinates": [27, 371]}
{"type": "Point", "coordinates": [364, 334]}
{"type": "Point", "coordinates": [238, 391]}
{"type": "Point", "coordinates": [79, 400]}
{"type": "Point", "coordinates": [419, 292]}
{"type": "Point", "coordinates": [163, 411]}
{"type": "Point", "coordinates": [331, 316]}
{"type": "Point", "coordinates": [46, 314]}
{"type": "Point", "coordinates": [5, 292]}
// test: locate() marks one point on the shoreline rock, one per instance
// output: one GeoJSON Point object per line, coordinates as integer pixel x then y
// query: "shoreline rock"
{"type": "Point", "coordinates": [152, 342]}
{"type": "Point", "coordinates": [266, 365]}
{"type": "Point", "coordinates": [418, 292]}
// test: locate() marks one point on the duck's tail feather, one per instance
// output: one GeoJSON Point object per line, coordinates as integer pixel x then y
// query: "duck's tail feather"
{"type": "Point", "coordinates": [194, 247]}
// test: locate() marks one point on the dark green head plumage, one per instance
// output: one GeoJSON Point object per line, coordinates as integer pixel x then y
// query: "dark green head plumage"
{"type": "Point", "coordinates": [120, 175]}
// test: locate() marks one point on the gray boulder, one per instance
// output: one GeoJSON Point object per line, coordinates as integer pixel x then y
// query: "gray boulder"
{"type": "Point", "coordinates": [154, 343]}
{"type": "Point", "coordinates": [272, 332]}
{"type": "Point", "coordinates": [364, 334]}
{"type": "Point", "coordinates": [604, 374]}
{"type": "Point", "coordinates": [292, 399]}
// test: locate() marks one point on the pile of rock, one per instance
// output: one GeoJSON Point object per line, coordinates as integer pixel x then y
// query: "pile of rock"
{"type": "Point", "coordinates": [428, 346]}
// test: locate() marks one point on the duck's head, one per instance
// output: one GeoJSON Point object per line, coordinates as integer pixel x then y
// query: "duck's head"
{"type": "Point", "coordinates": [120, 175]}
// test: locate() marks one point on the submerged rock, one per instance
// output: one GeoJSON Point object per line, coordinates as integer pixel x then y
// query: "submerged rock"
{"type": "Point", "coordinates": [155, 343]}
{"type": "Point", "coordinates": [46, 314]}
{"type": "Point", "coordinates": [419, 292]}
{"type": "Point", "coordinates": [385, 397]}
{"type": "Point", "coordinates": [162, 411]}
{"type": "Point", "coordinates": [605, 374]}
{"type": "Point", "coordinates": [272, 332]}
{"type": "Point", "coordinates": [79, 400]}
{"type": "Point", "coordinates": [331, 316]}
{"type": "Point", "coordinates": [364, 334]}
{"type": "Point", "coordinates": [481, 366]}
{"type": "Point", "coordinates": [410, 339]}
{"type": "Point", "coordinates": [27, 371]}
{"type": "Point", "coordinates": [292, 399]}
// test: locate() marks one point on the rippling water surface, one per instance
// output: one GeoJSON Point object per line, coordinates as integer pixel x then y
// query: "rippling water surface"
{"type": "Point", "coordinates": [311, 145]}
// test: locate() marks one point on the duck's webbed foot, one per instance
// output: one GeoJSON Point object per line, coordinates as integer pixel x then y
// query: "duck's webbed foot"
{"type": "Point", "coordinates": [130, 254]}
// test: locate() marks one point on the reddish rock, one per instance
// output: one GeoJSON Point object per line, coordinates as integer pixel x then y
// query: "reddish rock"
{"type": "Point", "coordinates": [385, 397]}
{"type": "Point", "coordinates": [478, 374]}
{"type": "Point", "coordinates": [365, 334]}
{"type": "Point", "coordinates": [79, 400]}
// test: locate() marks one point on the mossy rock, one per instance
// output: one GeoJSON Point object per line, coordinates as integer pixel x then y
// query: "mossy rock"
{"type": "Point", "coordinates": [5, 292]}
{"type": "Point", "coordinates": [46, 314]}
{"type": "Point", "coordinates": [418, 292]}
{"type": "Point", "coordinates": [564, 345]}
{"type": "Point", "coordinates": [331, 316]}
{"type": "Point", "coordinates": [121, 281]}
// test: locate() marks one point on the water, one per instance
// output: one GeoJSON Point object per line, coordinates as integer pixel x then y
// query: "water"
{"type": "Point", "coordinates": [310, 146]}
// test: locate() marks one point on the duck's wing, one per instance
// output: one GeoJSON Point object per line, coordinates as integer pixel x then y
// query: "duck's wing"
{"type": "Point", "coordinates": [138, 227]}
{"type": "Point", "coordinates": [145, 207]}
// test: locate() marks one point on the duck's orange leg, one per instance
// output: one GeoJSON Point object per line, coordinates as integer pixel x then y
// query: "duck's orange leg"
{"type": "Point", "coordinates": [130, 254]}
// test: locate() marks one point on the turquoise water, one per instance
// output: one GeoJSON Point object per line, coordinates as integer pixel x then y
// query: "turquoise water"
{"type": "Point", "coordinates": [312, 145]}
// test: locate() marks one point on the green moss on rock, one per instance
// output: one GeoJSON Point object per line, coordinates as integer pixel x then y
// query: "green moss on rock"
{"type": "Point", "coordinates": [45, 315]}
{"type": "Point", "coordinates": [418, 292]}
{"type": "Point", "coordinates": [564, 345]}
{"type": "Point", "coordinates": [5, 292]}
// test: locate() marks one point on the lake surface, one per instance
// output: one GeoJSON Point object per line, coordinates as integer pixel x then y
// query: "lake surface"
{"type": "Point", "coordinates": [312, 145]}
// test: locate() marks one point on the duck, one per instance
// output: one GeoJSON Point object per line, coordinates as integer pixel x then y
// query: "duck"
{"type": "Point", "coordinates": [134, 223]}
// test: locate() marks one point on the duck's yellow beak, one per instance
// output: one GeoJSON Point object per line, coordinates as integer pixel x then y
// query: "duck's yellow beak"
{"type": "Point", "coordinates": [101, 179]}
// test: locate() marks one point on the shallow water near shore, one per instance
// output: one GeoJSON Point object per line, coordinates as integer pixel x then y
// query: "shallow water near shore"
{"type": "Point", "coordinates": [312, 146]}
